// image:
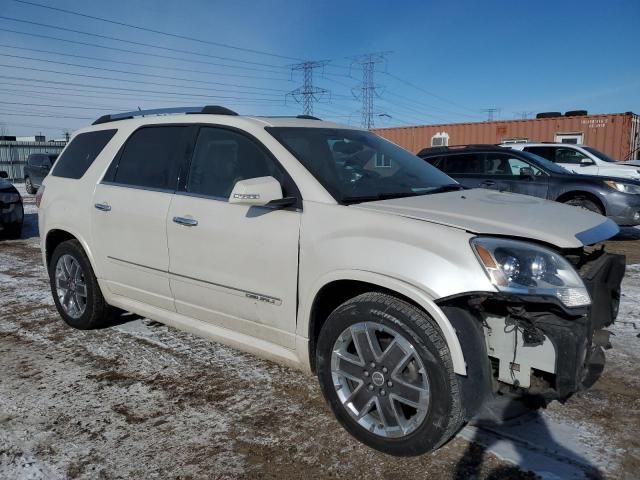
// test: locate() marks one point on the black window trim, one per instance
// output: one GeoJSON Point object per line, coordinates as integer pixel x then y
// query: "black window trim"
{"type": "Point", "coordinates": [186, 163]}
{"type": "Point", "coordinates": [114, 164]}
{"type": "Point", "coordinates": [55, 163]}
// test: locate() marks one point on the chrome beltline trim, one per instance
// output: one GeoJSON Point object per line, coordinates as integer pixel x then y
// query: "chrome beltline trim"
{"type": "Point", "coordinates": [247, 293]}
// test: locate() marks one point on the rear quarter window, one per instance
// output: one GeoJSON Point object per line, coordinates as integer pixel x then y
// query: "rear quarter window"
{"type": "Point", "coordinates": [81, 152]}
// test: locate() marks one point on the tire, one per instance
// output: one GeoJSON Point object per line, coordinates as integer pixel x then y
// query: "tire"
{"type": "Point", "coordinates": [31, 190]}
{"type": "Point", "coordinates": [400, 330]}
{"type": "Point", "coordinates": [585, 203]}
{"type": "Point", "coordinates": [96, 313]}
{"type": "Point", "coordinates": [13, 231]}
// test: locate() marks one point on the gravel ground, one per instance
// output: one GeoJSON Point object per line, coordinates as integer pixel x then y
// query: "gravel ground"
{"type": "Point", "coordinates": [142, 400]}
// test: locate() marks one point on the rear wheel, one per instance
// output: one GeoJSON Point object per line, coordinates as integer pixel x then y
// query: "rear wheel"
{"type": "Point", "coordinates": [75, 288]}
{"type": "Point", "coordinates": [386, 372]}
{"type": "Point", "coordinates": [585, 203]}
{"type": "Point", "coordinates": [28, 185]}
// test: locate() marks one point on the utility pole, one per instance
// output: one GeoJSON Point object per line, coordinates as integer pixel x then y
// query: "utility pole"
{"type": "Point", "coordinates": [491, 112]}
{"type": "Point", "coordinates": [524, 115]}
{"type": "Point", "coordinates": [308, 94]}
{"type": "Point", "coordinates": [367, 90]}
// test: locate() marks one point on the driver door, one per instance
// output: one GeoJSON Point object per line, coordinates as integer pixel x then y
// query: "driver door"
{"type": "Point", "coordinates": [231, 265]}
{"type": "Point", "coordinates": [508, 171]}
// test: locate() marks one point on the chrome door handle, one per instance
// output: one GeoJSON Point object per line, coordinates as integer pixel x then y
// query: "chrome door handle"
{"type": "Point", "coordinates": [187, 222]}
{"type": "Point", "coordinates": [103, 207]}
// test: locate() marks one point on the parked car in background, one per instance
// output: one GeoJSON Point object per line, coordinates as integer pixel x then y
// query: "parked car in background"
{"type": "Point", "coordinates": [37, 167]}
{"type": "Point", "coordinates": [330, 249]}
{"type": "Point", "coordinates": [579, 159]}
{"type": "Point", "coordinates": [11, 209]}
{"type": "Point", "coordinates": [499, 168]}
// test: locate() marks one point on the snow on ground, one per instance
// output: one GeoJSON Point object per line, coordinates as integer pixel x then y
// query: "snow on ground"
{"type": "Point", "coordinates": [144, 400]}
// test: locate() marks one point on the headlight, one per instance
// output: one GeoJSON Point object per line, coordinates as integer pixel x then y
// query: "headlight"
{"type": "Point", "coordinates": [528, 269]}
{"type": "Point", "coordinates": [623, 187]}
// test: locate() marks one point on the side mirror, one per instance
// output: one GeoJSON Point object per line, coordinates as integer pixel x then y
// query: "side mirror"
{"type": "Point", "coordinates": [4, 174]}
{"type": "Point", "coordinates": [586, 162]}
{"type": "Point", "coordinates": [527, 172]}
{"type": "Point", "coordinates": [256, 191]}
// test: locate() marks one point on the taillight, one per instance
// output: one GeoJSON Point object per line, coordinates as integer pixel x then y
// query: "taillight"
{"type": "Point", "coordinates": [39, 195]}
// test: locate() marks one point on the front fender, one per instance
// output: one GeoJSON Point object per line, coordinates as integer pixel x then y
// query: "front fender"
{"type": "Point", "coordinates": [412, 292]}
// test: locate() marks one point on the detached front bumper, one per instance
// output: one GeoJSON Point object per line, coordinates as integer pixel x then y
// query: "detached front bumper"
{"type": "Point", "coordinates": [534, 345]}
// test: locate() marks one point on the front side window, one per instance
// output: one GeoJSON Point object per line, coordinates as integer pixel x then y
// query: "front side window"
{"type": "Point", "coordinates": [152, 158]}
{"type": "Point", "coordinates": [358, 166]}
{"type": "Point", "coordinates": [544, 152]}
{"type": "Point", "coordinates": [223, 157]}
{"type": "Point", "coordinates": [599, 154]}
{"type": "Point", "coordinates": [81, 152]}
{"type": "Point", "coordinates": [504, 164]}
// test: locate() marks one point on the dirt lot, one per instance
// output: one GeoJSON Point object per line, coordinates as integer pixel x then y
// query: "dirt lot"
{"type": "Point", "coordinates": [141, 400]}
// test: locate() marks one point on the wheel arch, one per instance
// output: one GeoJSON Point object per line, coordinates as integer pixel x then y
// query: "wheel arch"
{"type": "Point", "coordinates": [582, 193]}
{"type": "Point", "coordinates": [56, 236]}
{"type": "Point", "coordinates": [336, 288]}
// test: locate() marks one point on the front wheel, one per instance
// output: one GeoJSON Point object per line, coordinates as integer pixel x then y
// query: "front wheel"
{"type": "Point", "coordinates": [585, 204]}
{"type": "Point", "coordinates": [75, 288]}
{"type": "Point", "coordinates": [386, 372]}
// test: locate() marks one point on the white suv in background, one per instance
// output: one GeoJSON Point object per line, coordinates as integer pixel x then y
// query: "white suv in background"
{"type": "Point", "coordinates": [329, 249]}
{"type": "Point", "coordinates": [579, 159]}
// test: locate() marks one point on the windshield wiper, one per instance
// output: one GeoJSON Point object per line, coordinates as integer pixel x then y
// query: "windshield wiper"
{"type": "Point", "coordinates": [389, 196]}
{"type": "Point", "coordinates": [451, 187]}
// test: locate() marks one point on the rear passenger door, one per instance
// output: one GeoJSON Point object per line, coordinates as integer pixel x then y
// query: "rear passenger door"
{"type": "Point", "coordinates": [129, 213]}
{"type": "Point", "coordinates": [232, 265]}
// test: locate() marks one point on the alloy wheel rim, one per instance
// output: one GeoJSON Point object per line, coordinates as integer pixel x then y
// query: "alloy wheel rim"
{"type": "Point", "coordinates": [380, 379]}
{"type": "Point", "coordinates": [71, 287]}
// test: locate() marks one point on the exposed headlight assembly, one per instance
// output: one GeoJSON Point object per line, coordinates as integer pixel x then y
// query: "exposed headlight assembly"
{"type": "Point", "coordinates": [623, 187]}
{"type": "Point", "coordinates": [528, 269]}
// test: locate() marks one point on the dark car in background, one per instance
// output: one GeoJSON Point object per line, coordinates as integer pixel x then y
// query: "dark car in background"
{"type": "Point", "coordinates": [507, 170]}
{"type": "Point", "coordinates": [11, 209]}
{"type": "Point", "coordinates": [37, 167]}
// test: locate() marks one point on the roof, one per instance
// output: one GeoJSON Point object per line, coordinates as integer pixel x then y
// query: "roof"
{"type": "Point", "coordinates": [207, 114]}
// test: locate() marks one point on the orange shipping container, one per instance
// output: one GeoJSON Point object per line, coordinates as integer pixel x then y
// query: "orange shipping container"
{"type": "Point", "coordinates": [616, 134]}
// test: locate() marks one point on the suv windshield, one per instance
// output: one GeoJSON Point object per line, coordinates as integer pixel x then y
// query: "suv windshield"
{"type": "Point", "coordinates": [358, 166]}
{"type": "Point", "coordinates": [544, 163]}
{"type": "Point", "coordinates": [599, 154]}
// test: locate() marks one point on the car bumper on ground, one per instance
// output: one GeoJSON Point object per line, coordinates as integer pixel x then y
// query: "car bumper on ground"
{"type": "Point", "coordinates": [533, 346]}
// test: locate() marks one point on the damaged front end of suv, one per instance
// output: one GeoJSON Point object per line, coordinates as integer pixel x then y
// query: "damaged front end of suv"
{"type": "Point", "coordinates": [544, 330]}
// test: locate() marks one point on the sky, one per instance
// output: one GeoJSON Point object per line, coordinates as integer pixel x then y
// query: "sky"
{"type": "Point", "coordinates": [443, 62]}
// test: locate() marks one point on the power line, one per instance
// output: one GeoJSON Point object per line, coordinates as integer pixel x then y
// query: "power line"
{"type": "Point", "coordinates": [100, 77]}
{"type": "Point", "coordinates": [148, 54]}
{"type": "Point", "coordinates": [427, 92]}
{"type": "Point", "coordinates": [160, 32]}
{"type": "Point", "coordinates": [368, 89]}
{"type": "Point", "coordinates": [146, 65]}
{"type": "Point", "coordinates": [107, 37]}
{"type": "Point", "coordinates": [208, 82]}
{"type": "Point", "coordinates": [307, 94]}
{"type": "Point", "coordinates": [193, 95]}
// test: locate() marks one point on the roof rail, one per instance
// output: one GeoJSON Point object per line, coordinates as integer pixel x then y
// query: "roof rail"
{"type": "Point", "coordinates": [207, 109]}
{"type": "Point", "coordinates": [445, 148]}
{"type": "Point", "coordinates": [308, 117]}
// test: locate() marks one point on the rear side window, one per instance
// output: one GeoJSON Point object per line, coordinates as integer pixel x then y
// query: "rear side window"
{"type": "Point", "coordinates": [81, 152]}
{"type": "Point", "coordinates": [544, 152]}
{"type": "Point", "coordinates": [470, 163]}
{"type": "Point", "coordinates": [152, 158]}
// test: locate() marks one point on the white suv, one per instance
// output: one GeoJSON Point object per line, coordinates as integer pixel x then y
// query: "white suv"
{"type": "Point", "coordinates": [579, 159]}
{"type": "Point", "coordinates": [329, 249]}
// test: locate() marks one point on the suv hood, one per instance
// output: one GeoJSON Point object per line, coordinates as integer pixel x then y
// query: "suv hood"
{"type": "Point", "coordinates": [493, 213]}
{"type": "Point", "coordinates": [615, 170]}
